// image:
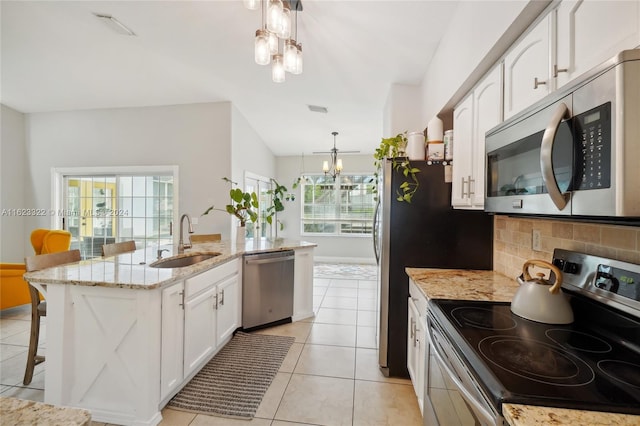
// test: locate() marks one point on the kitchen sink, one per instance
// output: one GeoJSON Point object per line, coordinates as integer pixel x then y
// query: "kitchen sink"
{"type": "Point", "coordinates": [182, 261]}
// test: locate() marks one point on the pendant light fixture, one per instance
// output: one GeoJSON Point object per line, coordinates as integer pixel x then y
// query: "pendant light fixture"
{"type": "Point", "coordinates": [335, 168]}
{"type": "Point", "coordinates": [275, 41]}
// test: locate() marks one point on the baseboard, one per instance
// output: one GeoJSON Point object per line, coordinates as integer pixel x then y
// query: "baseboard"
{"type": "Point", "coordinates": [356, 260]}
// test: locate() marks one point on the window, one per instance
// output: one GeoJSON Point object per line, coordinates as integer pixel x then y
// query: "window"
{"type": "Point", "coordinates": [342, 207]}
{"type": "Point", "coordinates": [103, 208]}
{"type": "Point", "coordinates": [260, 185]}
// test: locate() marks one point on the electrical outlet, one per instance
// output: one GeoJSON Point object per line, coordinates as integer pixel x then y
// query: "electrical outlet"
{"type": "Point", "coordinates": [536, 243]}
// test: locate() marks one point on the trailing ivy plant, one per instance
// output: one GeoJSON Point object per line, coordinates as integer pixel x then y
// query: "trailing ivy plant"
{"type": "Point", "coordinates": [277, 195]}
{"type": "Point", "coordinates": [394, 149]}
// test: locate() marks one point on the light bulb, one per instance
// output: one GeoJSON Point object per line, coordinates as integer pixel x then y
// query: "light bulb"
{"type": "Point", "coordinates": [273, 42]}
{"type": "Point", "coordinates": [262, 52]}
{"type": "Point", "coordinates": [277, 70]}
{"type": "Point", "coordinates": [251, 4]}
{"type": "Point", "coordinates": [290, 56]}
{"type": "Point", "coordinates": [325, 166]}
{"type": "Point", "coordinates": [339, 165]}
{"type": "Point", "coordinates": [285, 24]}
{"type": "Point", "coordinates": [274, 16]}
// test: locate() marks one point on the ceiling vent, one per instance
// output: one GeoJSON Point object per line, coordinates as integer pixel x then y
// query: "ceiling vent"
{"type": "Point", "coordinates": [316, 108]}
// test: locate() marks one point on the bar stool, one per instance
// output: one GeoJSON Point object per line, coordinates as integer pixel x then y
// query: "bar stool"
{"type": "Point", "coordinates": [117, 248]}
{"type": "Point", "coordinates": [39, 306]}
{"type": "Point", "coordinates": [204, 238]}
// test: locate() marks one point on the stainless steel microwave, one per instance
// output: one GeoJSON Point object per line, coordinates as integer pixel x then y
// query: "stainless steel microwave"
{"type": "Point", "coordinates": [575, 152]}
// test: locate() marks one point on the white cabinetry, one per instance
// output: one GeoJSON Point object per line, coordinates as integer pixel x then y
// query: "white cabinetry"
{"type": "Point", "coordinates": [172, 338]}
{"type": "Point", "coordinates": [416, 341]}
{"type": "Point", "coordinates": [527, 69]}
{"type": "Point", "coordinates": [303, 284]}
{"type": "Point", "coordinates": [589, 32]}
{"type": "Point", "coordinates": [478, 112]}
{"type": "Point", "coordinates": [227, 307]}
{"type": "Point", "coordinates": [199, 328]}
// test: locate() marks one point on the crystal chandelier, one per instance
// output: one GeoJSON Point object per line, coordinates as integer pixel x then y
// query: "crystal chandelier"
{"type": "Point", "coordinates": [336, 163]}
{"type": "Point", "coordinates": [275, 41]}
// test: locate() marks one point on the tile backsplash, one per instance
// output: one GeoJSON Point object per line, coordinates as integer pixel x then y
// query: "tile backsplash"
{"type": "Point", "coordinates": [512, 241]}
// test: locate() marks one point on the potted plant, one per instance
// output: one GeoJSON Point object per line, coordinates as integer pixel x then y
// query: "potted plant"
{"type": "Point", "coordinates": [277, 195]}
{"type": "Point", "coordinates": [243, 205]}
{"type": "Point", "coordinates": [394, 149]}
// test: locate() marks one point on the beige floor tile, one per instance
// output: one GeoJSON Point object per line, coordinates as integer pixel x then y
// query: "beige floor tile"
{"type": "Point", "coordinates": [340, 302]}
{"type": "Point", "coordinates": [385, 404]}
{"type": "Point", "coordinates": [25, 393]}
{"type": "Point", "coordinates": [333, 361]}
{"type": "Point", "coordinates": [12, 370]}
{"type": "Point", "coordinates": [332, 334]}
{"type": "Point", "coordinates": [367, 304]}
{"type": "Point", "coordinates": [366, 337]}
{"type": "Point", "coordinates": [317, 400]}
{"type": "Point", "coordinates": [343, 283]}
{"type": "Point", "coordinates": [321, 282]}
{"type": "Point", "coordinates": [273, 396]}
{"type": "Point", "coordinates": [367, 284]}
{"type": "Point", "coordinates": [202, 420]}
{"type": "Point", "coordinates": [290, 361]}
{"type": "Point", "coordinates": [299, 330]}
{"type": "Point", "coordinates": [9, 351]}
{"type": "Point", "coordinates": [367, 368]}
{"type": "Point", "coordinates": [365, 293]}
{"type": "Point", "coordinates": [10, 327]}
{"type": "Point", "coordinates": [22, 312]}
{"type": "Point", "coordinates": [342, 292]}
{"type": "Point", "coordinates": [319, 291]}
{"type": "Point", "coordinates": [336, 316]}
{"type": "Point", "coordinates": [367, 318]}
{"type": "Point", "coordinates": [281, 423]}
{"type": "Point", "coordinates": [176, 417]}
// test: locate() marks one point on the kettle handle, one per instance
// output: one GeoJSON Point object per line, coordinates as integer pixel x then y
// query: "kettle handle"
{"type": "Point", "coordinates": [527, 277]}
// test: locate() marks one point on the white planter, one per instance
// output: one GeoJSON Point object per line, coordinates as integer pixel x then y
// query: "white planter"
{"type": "Point", "coordinates": [241, 234]}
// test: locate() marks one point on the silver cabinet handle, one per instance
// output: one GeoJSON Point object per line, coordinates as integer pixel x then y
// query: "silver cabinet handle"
{"type": "Point", "coordinates": [470, 182]}
{"type": "Point", "coordinates": [215, 303]}
{"type": "Point", "coordinates": [413, 331]}
{"type": "Point", "coordinates": [464, 194]}
{"type": "Point", "coordinates": [222, 298]}
{"type": "Point", "coordinates": [557, 70]}
{"type": "Point", "coordinates": [546, 149]}
{"type": "Point", "coordinates": [537, 83]}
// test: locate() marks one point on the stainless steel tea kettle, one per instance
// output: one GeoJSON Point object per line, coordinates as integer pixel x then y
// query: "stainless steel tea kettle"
{"type": "Point", "coordinates": [540, 300]}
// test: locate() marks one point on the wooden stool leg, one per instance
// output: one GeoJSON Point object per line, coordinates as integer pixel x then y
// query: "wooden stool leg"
{"type": "Point", "coordinates": [33, 341]}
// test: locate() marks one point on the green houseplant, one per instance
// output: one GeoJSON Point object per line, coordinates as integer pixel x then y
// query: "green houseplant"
{"type": "Point", "coordinates": [394, 149]}
{"type": "Point", "coordinates": [277, 195]}
{"type": "Point", "coordinates": [242, 205]}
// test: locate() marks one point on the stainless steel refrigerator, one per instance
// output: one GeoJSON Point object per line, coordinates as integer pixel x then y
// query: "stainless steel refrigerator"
{"type": "Point", "coordinates": [427, 233]}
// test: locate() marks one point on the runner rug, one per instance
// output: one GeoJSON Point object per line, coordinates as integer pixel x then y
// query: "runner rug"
{"type": "Point", "coordinates": [234, 382]}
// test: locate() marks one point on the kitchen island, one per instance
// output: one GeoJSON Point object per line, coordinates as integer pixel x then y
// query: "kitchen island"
{"type": "Point", "coordinates": [123, 336]}
{"type": "Point", "coordinates": [493, 286]}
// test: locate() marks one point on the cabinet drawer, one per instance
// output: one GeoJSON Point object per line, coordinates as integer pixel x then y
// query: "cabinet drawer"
{"type": "Point", "coordinates": [418, 298]}
{"type": "Point", "coordinates": [195, 285]}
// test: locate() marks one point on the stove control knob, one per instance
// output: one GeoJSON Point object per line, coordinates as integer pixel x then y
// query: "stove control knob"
{"type": "Point", "coordinates": [571, 268]}
{"type": "Point", "coordinates": [559, 263]}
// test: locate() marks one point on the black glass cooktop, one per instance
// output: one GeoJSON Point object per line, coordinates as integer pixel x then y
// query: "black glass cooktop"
{"type": "Point", "coordinates": [592, 364]}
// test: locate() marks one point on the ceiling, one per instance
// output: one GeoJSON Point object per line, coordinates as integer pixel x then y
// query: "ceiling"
{"type": "Point", "coordinates": [57, 56]}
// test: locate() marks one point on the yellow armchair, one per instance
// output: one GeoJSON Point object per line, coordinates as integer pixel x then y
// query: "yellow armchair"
{"type": "Point", "coordinates": [46, 241]}
{"type": "Point", "coordinates": [14, 290]}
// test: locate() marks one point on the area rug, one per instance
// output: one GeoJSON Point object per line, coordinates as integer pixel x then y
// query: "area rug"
{"type": "Point", "coordinates": [233, 383]}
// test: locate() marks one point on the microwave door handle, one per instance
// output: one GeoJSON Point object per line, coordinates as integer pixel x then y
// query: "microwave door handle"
{"type": "Point", "coordinates": [546, 149]}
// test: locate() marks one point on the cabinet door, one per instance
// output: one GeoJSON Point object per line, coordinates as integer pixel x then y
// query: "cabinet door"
{"type": "Point", "coordinates": [462, 167]}
{"type": "Point", "coordinates": [227, 308]}
{"type": "Point", "coordinates": [199, 329]}
{"type": "Point", "coordinates": [590, 32]}
{"type": "Point", "coordinates": [412, 347]}
{"type": "Point", "coordinates": [303, 284]}
{"type": "Point", "coordinates": [171, 373]}
{"type": "Point", "coordinates": [527, 62]}
{"type": "Point", "coordinates": [487, 107]}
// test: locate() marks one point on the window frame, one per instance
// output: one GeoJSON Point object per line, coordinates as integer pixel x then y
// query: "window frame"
{"type": "Point", "coordinates": [337, 205]}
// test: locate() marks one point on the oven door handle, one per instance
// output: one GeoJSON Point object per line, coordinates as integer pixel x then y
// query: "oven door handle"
{"type": "Point", "coordinates": [479, 409]}
{"type": "Point", "coordinates": [546, 151]}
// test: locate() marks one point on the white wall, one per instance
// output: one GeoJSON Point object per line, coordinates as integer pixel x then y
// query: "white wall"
{"type": "Point", "coordinates": [13, 244]}
{"type": "Point", "coordinates": [338, 249]}
{"type": "Point", "coordinates": [402, 111]}
{"type": "Point", "coordinates": [194, 137]}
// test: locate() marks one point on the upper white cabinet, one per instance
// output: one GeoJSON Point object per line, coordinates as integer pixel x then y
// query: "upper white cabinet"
{"type": "Point", "coordinates": [478, 112]}
{"type": "Point", "coordinates": [527, 69]}
{"type": "Point", "coordinates": [590, 32]}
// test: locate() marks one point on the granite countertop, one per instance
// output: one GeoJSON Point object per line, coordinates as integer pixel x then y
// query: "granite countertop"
{"type": "Point", "coordinates": [14, 411]}
{"type": "Point", "coordinates": [133, 271]}
{"type": "Point", "coordinates": [490, 285]}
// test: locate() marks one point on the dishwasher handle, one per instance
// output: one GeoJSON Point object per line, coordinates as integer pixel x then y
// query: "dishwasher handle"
{"type": "Point", "coordinates": [269, 260]}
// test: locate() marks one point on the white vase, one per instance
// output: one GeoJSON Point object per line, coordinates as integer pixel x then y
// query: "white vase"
{"type": "Point", "coordinates": [241, 234]}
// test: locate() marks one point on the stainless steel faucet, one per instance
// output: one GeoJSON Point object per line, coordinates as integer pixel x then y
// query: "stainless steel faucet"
{"type": "Point", "coordinates": [181, 244]}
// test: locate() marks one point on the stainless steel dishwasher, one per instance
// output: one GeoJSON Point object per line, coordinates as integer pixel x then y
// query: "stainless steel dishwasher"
{"type": "Point", "coordinates": [267, 288]}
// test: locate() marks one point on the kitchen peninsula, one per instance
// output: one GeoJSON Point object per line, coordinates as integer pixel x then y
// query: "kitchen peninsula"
{"type": "Point", "coordinates": [124, 336]}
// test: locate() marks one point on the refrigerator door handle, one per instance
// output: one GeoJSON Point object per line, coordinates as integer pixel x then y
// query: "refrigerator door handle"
{"type": "Point", "coordinates": [375, 232]}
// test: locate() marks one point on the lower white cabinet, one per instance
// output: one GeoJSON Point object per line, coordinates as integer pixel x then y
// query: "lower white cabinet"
{"type": "Point", "coordinates": [416, 341]}
{"type": "Point", "coordinates": [303, 284]}
{"type": "Point", "coordinates": [199, 315]}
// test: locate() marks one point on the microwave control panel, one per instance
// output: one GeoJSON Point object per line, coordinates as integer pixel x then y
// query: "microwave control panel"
{"type": "Point", "coordinates": [593, 148]}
